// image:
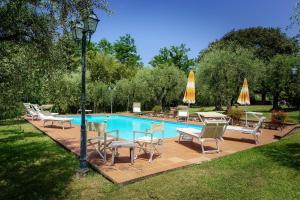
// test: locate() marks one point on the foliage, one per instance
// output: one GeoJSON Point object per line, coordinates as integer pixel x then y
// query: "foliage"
{"type": "Point", "coordinates": [175, 55]}
{"type": "Point", "coordinates": [105, 46]}
{"type": "Point", "coordinates": [280, 81]}
{"type": "Point", "coordinates": [235, 113]}
{"type": "Point", "coordinates": [278, 115]}
{"type": "Point", "coordinates": [157, 109]}
{"type": "Point", "coordinates": [266, 42]}
{"type": "Point", "coordinates": [222, 71]}
{"type": "Point", "coordinates": [125, 51]}
{"type": "Point", "coordinates": [98, 95]}
{"type": "Point", "coordinates": [105, 67]}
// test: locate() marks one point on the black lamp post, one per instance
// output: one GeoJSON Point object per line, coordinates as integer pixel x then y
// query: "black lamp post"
{"type": "Point", "coordinates": [295, 74]}
{"type": "Point", "coordinates": [81, 30]}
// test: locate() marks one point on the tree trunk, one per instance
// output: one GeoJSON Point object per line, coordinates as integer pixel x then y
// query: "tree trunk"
{"type": "Point", "coordinates": [263, 97]}
{"type": "Point", "coordinates": [218, 105]}
{"type": "Point", "coordinates": [275, 102]}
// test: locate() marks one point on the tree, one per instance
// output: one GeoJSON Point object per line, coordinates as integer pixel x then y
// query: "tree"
{"type": "Point", "coordinates": [222, 71]}
{"type": "Point", "coordinates": [175, 55]}
{"type": "Point", "coordinates": [169, 84]}
{"type": "Point", "coordinates": [124, 94]}
{"type": "Point", "coordinates": [265, 42]}
{"type": "Point", "coordinates": [282, 85]}
{"type": "Point", "coordinates": [106, 68]}
{"type": "Point", "coordinates": [125, 51]}
{"type": "Point", "coordinates": [105, 46]}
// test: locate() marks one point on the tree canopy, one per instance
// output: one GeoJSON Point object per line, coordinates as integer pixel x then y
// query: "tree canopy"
{"type": "Point", "coordinates": [175, 55]}
{"type": "Point", "coordinates": [221, 74]}
{"type": "Point", "coordinates": [266, 42]}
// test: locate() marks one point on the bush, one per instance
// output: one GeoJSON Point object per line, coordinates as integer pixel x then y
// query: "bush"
{"type": "Point", "coordinates": [278, 116]}
{"type": "Point", "coordinates": [235, 113]}
{"type": "Point", "coordinates": [157, 109]}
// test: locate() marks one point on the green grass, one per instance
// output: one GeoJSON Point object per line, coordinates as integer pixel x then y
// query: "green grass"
{"type": "Point", "coordinates": [34, 167]}
{"type": "Point", "coordinates": [292, 116]}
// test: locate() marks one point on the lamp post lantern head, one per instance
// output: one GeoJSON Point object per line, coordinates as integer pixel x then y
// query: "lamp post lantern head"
{"type": "Point", "coordinates": [77, 30]}
{"type": "Point", "coordinates": [91, 23]}
{"type": "Point", "coordinates": [294, 71]}
{"type": "Point", "coordinates": [87, 25]}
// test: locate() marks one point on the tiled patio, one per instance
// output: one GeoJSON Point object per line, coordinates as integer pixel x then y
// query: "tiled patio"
{"type": "Point", "coordinates": [175, 155]}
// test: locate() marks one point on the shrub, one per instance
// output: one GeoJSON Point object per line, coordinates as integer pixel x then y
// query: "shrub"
{"type": "Point", "coordinates": [278, 115]}
{"type": "Point", "coordinates": [157, 109]}
{"type": "Point", "coordinates": [235, 113]}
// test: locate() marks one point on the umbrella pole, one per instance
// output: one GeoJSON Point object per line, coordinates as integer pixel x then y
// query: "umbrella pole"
{"type": "Point", "coordinates": [188, 111]}
{"type": "Point", "coordinates": [246, 115]}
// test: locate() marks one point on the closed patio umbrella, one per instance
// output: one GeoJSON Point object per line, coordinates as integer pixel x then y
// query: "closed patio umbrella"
{"type": "Point", "coordinates": [189, 95]}
{"type": "Point", "coordinates": [244, 98]}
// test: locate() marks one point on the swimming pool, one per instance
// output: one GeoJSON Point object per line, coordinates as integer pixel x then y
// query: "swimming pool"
{"type": "Point", "coordinates": [126, 125]}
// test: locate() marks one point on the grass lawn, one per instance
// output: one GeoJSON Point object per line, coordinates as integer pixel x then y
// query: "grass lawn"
{"type": "Point", "coordinates": [34, 167]}
{"type": "Point", "coordinates": [292, 116]}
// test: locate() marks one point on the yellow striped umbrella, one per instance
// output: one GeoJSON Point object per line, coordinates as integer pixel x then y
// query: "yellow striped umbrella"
{"type": "Point", "coordinates": [244, 98]}
{"type": "Point", "coordinates": [189, 95]}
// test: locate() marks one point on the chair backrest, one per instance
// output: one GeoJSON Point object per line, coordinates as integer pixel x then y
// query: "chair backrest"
{"type": "Point", "coordinates": [36, 107]}
{"type": "Point", "coordinates": [213, 129]}
{"type": "Point", "coordinates": [100, 128]}
{"type": "Point", "coordinates": [183, 113]}
{"type": "Point", "coordinates": [136, 107]}
{"type": "Point", "coordinates": [259, 124]}
{"type": "Point", "coordinates": [157, 128]}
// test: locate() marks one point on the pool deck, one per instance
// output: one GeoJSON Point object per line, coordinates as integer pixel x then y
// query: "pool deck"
{"type": "Point", "coordinates": [175, 155]}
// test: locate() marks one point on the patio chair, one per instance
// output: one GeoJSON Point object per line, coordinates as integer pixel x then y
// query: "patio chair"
{"type": "Point", "coordinates": [136, 107]}
{"type": "Point", "coordinates": [211, 131]}
{"type": "Point", "coordinates": [102, 141]}
{"type": "Point", "coordinates": [148, 142]}
{"type": "Point", "coordinates": [52, 119]}
{"type": "Point", "coordinates": [255, 132]}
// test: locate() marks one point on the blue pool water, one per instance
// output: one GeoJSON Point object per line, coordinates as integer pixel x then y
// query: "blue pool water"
{"type": "Point", "coordinates": [126, 125]}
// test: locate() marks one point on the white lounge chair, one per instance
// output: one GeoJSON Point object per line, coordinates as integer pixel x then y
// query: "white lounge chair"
{"type": "Point", "coordinates": [148, 142]}
{"type": "Point", "coordinates": [212, 131]}
{"type": "Point", "coordinates": [102, 141]}
{"type": "Point", "coordinates": [183, 113]}
{"type": "Point", "coordinates": [255, 132]}
{"type": "Point", "coordinates": [52, 119]}
{"type": "Point", "coordinates": [136, 108]}
{"type": "Point", "coordinates": [30, 112]}
{"type": "Point", "coordinates": [37, 108]}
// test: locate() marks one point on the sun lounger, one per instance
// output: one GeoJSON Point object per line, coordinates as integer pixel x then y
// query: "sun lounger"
{"type": "Point", "coordinates": [37, 108]}
{"type": "Point", "coordinates": [52, 119]}
{"type": "Point", "coordinates": [211, 131]}
{"type": "Point", "coordinates": [30, 112]}
{"type": "Point", "coordinates": [255, 132]}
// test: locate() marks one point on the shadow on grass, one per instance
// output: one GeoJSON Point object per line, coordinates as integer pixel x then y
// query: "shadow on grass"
{"type": "Point", "coordinates": [286, 153]}
{"type": "Point", "coordinates": [11, 122]}
{"type": "Point", "coordinates": [33, 167]}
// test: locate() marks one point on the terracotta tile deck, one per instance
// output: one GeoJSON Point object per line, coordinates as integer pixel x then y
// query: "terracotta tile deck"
{"type": "Point", "coordinates": [175, 155]}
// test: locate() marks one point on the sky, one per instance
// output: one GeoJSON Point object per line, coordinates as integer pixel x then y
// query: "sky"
{"type": "Point", "coordinates": [162, 23]}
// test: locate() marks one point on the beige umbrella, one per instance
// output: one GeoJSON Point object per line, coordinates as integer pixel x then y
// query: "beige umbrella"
{"type": "Point", "coordinates": [244, 98]}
